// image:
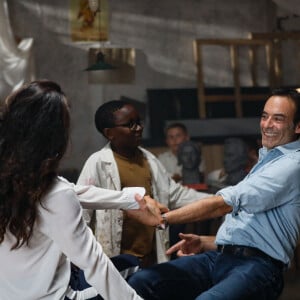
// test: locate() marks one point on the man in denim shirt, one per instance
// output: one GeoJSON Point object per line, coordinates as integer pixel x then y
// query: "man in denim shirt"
{"type": "Point", "coordinates": [256, 242]}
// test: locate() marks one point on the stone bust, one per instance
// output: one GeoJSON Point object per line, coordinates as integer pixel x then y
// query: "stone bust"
{"type": "Point", "coordinates": [189, 157]}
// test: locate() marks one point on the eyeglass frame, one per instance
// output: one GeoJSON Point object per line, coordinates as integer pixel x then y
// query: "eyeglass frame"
{"type": "Point", "coordinates": [131, 125]}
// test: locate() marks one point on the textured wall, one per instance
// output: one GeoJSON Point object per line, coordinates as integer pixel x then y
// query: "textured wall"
{"type": "Point", "coordinates": [161, 31]}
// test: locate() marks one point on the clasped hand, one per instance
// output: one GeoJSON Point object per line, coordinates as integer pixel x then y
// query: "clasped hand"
{"type": "Point", "coordinates": [149, 212]}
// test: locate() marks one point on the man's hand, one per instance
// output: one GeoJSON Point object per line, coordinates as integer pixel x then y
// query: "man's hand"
{"type": "Point", "coordinates": [192, 244]}
{"type": "Point", "coordinates": [149, 212]}
{"type": "Point", "coordinates": [154, 205]}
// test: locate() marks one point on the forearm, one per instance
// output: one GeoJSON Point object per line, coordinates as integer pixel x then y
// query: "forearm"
{"type": "Point", "coordinates": [92, 197]}
{"type": "Point", "coordinates": [208, 208]}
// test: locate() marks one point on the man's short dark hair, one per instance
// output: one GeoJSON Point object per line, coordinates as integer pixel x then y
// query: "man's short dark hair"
{"type": "Point", "coordinates": [104, 116]}
{"type": "Point", "coordinates": [176, 125]}
{"type": "Point", "coordinates": [292, 94]}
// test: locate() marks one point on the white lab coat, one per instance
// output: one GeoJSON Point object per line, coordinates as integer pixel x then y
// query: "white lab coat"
{"type": "Point", "coordinates": [101, 170]}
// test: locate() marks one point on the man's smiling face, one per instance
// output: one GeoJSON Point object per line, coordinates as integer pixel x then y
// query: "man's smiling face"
{"type": "Point", "coordinates": [277, 126]}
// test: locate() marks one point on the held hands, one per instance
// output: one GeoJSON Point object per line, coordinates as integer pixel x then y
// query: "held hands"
{"type": "Point", "coordinates": [192, 244]}
{"type": "Point", "coordinates": [149, 212]}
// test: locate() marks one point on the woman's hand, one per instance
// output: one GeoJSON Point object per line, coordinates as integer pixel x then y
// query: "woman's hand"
{"type": "Point", "coordinates": [149, 212]}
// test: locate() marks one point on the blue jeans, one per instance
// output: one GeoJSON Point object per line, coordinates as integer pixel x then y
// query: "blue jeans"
{"type": "Point", "coordinates": [210, 275]}
{"type": "Point", "coordinates": [125, 263]}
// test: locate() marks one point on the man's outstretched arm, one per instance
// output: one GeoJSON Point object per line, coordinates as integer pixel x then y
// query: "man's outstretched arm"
{"type": "Point", "coordinates": [207, 208]}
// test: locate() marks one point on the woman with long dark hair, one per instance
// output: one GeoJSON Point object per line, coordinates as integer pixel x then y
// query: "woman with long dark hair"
{"type": "Point", "coordinates": [41, 226]}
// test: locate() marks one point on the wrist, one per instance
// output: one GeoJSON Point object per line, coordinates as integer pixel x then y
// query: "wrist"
{"type": "Point", "coordinates": [164, 222]}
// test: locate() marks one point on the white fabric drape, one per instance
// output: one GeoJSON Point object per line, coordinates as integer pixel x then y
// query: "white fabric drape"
{"type": "Point", "coordinates": [16, 60]}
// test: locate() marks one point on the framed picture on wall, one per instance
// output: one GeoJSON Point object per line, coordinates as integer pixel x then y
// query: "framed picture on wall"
{"type": "Point", "coordinates": [89, 20]}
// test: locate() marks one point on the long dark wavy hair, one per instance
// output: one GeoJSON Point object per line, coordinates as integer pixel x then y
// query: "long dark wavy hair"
{"type": "Point", "coordinates": [34, 134]}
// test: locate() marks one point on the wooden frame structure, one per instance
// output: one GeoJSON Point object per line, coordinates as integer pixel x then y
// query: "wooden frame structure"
{"type": "Point", "coordinates": [277, 39]}
{"type": "Point", "coordinates": [234, 46]}
{"type": "Point", "coordinates": [272, 44]}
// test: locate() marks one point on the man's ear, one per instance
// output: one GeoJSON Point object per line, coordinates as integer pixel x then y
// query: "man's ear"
{"type": "Point", "coordinates": [108, 133]}
{"type": "Point", "coordinates": [297, 128]}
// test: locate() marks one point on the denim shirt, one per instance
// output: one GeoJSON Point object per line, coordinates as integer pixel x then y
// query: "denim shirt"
{"type": "Point", "coordinates": [266, 205]}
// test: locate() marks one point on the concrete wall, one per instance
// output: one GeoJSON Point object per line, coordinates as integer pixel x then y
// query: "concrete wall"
{"type": "Point", "coordinates": [161, 31]}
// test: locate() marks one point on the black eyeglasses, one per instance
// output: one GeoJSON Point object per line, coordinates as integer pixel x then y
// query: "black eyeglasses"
{"type": "Point", "coordinates": [132, 125]}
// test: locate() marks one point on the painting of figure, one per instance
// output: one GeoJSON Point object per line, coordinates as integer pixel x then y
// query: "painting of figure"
{"type": "Point", "coordinates": [89, 20]}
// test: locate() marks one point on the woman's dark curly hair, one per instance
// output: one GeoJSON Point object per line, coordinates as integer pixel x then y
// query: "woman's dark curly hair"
{"type": "Point", "coordinates": [34, 134]}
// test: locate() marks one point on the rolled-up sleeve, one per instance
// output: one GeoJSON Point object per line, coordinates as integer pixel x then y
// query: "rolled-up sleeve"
{"type": "Point", "coordinates": [267, 188]}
